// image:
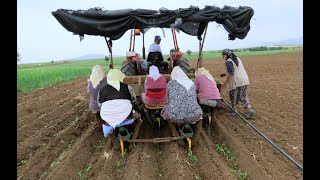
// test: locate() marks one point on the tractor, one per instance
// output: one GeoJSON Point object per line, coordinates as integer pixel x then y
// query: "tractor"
{"type": "Point", "coordinates": [113, 24]}
{"type": "Point", "coordinates": [133, 65]}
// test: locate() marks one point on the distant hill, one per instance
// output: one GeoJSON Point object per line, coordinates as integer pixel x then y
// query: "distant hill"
{"type": "Point", "coordinates": [89, 56]}
{"type": "Point", "coordinates": [291, 41]}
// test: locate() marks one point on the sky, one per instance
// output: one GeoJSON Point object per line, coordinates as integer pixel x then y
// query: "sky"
{"type": "Point", "coordinates": [41, 38]}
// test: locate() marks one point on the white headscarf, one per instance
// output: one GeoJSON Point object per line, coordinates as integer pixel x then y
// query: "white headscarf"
{"type": "Point", "coordinates": [178, 75]}
{"type": "Point", "coordinates": [154, 72]}
{"type": "Point", "coordinates": [97, 74]}
{"type": "Point", "coordinates": [114, 77]}
{"type": "Point", "coordinates": [203, 71]}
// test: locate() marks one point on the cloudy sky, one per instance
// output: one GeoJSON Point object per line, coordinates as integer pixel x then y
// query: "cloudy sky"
{"type": "Point", "coordinates": [41, 38]}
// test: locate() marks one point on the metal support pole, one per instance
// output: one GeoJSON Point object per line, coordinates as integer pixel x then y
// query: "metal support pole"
{"type": "Point", "coordinates": [200, 58]}
{"type": "Point", "coordinates": [134, 40]}
{"type": "Point", "coordinates": [143, 49]}
{"type": "Point", "coordinates": [130, 40]}
{"type": "Point", "coordinates": [110, 50]}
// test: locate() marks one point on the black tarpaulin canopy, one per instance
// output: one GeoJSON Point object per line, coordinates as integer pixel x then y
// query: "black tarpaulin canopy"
{"type": "Point", "coordinates": [114, 23]}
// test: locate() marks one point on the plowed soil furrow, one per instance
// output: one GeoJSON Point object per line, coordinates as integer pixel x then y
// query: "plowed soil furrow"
{"type": "Point", "coordinates": [262, 152]}
{"type": "Point", "coordinates": [78, 159]}
{"type": "Point", "coordinates": [174, 158]}
{"type": "Point", "coordinates": [210, 164]}
{"type": "Point", "coordinates": [264, 111]}
{"type": "Point", "coordinates": [280, 138]}
{"type": "Point", "coordinates": [174, 163]}
{"type": "Point", "coordinates": [54, 130]}
{"type": "Point", "coordinates": [58, 138]}
{"type": "Point", "coordinates": [143, 157]}
{"type": "Point", "coordinates": [30, 130]}
{"type": "Point", "coordinates": [272, 123]}
{"type": "Point", "coordinates": [64, 87]}
{"type": "Point", "coordinates": [287, 137]}
{"type": "Point", "coordinates": [36, 105]}
{"type": "Point", "coordinates": [34, 100]}
{"type": "Point", "coordinates": [54, 151]}
{"type": "Point", "coordinates": [52, 120]}
{"type": "Point", "coordinates": [40, 109]}
{"type": "Point", "coordinates": [105, 168]}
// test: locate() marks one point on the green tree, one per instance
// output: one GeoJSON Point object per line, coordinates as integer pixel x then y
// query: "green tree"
{"type": "Point", "coordinates": [106, 58]}
{"type": "Point", "coordinates": [189, 52]}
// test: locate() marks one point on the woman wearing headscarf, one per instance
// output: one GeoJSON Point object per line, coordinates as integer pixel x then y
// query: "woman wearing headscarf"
{"type": "Point", "coordinates": [182, 106]}
{"type": "Point", "coordinates": [207, 90]}
{"type": "Point", "coordinates": [117, 101]}
{"type": "Point", "coordinates": [155, 87]}
{"type": "Point", "coordinates": [237, 82]}
{"type": "Point", "coordinates": [96, 81]}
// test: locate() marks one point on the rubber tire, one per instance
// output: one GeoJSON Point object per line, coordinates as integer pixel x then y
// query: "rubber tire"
{"type": "Point", "coordinates": [129, 69]}
{"type": "Point", "coordinates": [184, 65]}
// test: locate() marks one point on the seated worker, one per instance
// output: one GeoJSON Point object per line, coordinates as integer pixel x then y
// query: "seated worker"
{"type": "Point", "coordinates": [182, 106]}
{"type": "Point", "coordinates": [207, 90]}
{"type": "Point", "coordinates": [117, 101]}
{"type": "Point", "coordinates": [96, 81]}
{"type": "Point", "coordinates": [155, 87]}
{"type": "Point", "coordinates": [155, 55]}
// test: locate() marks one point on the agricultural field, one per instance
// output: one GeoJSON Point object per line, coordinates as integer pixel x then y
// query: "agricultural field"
{"type": "Point", "coordinates": [58, 138]}
{"type": "Point", "coordinates": [39, 75]}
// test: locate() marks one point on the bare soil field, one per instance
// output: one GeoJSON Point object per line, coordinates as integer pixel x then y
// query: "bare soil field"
{"type": "Point", "coordinates": [58, 138]}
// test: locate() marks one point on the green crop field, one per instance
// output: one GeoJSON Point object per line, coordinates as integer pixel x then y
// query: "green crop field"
{"type": "Point", "coordinates": [241, 52]}
{"type": "Point", "coordinates": [40, 75]}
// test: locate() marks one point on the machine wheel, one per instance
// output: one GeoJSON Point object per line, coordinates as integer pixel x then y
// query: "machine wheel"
{"type": "Point", "coordinates": [184, 65]}
{"type": "Point", "coordinates": [129, 68]}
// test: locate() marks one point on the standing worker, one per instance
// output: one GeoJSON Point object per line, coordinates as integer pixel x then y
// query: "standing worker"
{"type": "Point", "coordinates": [236, 83]}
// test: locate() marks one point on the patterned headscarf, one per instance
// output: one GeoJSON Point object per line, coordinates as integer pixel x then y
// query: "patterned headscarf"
{"type": "Point", "coordinates": [114, 77]}
{"type": "Point", "coordinates": [230, 55]}
{"type": "Point", "coordinates": [203, 71]}
{"type": "Point", "coordinates": [181, 77]}
{"type": "Point", "coordinates": [97, 74]}
{"type": "Point", "coordinates": [227, 52]}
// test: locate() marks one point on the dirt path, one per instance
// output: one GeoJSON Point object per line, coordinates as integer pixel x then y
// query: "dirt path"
{"type": "Point", "coordinates": [59, 139]}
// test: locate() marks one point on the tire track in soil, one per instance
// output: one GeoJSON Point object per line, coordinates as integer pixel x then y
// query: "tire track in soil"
{"type": "Point", "coordinates": [244, 142]}
{"type": "Point", "coordinates": [39, 164]}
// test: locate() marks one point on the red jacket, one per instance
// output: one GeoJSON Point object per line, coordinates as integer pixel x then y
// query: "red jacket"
{"type": "Point", "coordinates": [156, 89]}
